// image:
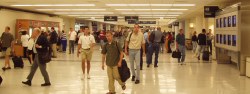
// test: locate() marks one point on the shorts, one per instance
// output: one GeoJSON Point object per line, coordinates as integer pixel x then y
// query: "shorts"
{"type": "Point", "coordinates": [87, 54]}
{"type": "Point", "coordinates": [6, 52]}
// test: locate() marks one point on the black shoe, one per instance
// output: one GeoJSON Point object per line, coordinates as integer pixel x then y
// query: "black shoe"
{"type": "Point", "coordinates": [140, 68]}
{"type": "Point", "coordinates": [148, 65]}
{"type": "Point", "coordinates": [3, 68]}
{"type": "Point", "coordinates": [28, 82]}
{"type": "Point", "coordinates": [8, 68]}
{"type": "Point", "coordinates": [155, 66]}
{"type": "Point", "coordinates": [133, 78]}
{"type": "Point", "coordinates": [46, 84]}
{"type": "Point", "coordinates": [137, 81]}
{"type": "Point", "coordinates": [198, 57]}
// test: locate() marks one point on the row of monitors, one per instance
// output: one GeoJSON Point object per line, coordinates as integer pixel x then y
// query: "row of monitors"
{"type": "Point", "coordinates": [226, 39]}
{"type": "Point", "coordinates": [230, 21]}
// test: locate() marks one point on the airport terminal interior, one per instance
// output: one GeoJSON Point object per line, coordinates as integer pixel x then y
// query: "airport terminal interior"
{"type": "Point", "coordinates": [226, 70]}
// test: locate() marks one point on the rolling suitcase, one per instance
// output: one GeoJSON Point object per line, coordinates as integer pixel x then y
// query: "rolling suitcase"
{"type": "Point", "coordinates": [18, 61]}
{"type": "Point", "coordinates": [205, 55]}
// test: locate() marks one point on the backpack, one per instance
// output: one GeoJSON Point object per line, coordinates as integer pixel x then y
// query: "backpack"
{"type": "Point", "coordinates": [152, 37]}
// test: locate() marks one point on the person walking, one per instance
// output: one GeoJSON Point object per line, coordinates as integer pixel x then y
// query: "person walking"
{"type": "Point", "coordinates": [24, 39]}
{"type": "Point", "coordinates": [72, 38]}
{"type": "Point", "coordinates": [53, 41]}
{"type": "Point", "coordinates": [134, 42]}
{"type": "Point", "coordinates": [41, 46]}
{"type": "Point", "coordinates": [86, 45]}
{"type": "Point", "coordinates": [210, 37]}
{"type": "Point", "coordinates": [194, 42]}
{"type": "Point", "coordinates": [64, 41]}
{"type": "Point", "coordinates": [202, 42]}
{"type": "Point", "coordinates": [7, 40]}
{"type": "Point", "coordinates": [112, 54]}
{"type": "Point", "coordinates": [154, 46]}
{"type": "Point", "coordinates": [180, 46]}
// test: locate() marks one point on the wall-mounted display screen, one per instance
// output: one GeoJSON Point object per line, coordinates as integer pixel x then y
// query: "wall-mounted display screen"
{"type": "Point", "coordinates": [221, 22]}
{"type": "Point", "coordinates": [225, 39]}
{"type": "Point", "coordinates": [234, 40]}
{"type": "Point", "coordinates": [221, 38]}
{"type": "Point", "coordinates": [229, 22]}
{"type": "Point", "coordinates": [229, 40]}
{"type": "Point", "coordinates": [217, 23]}
{"type": "Point", "coordinates": [234, 21]}
{"type": "Point", "coordinates": [217, 38]}
{"type": "Point", "coordinates": [225, 21]}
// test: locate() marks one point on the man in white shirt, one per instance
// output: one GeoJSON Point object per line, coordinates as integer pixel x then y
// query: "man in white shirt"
{"type": "Point", "coordinates": [72, 38]}
{"type": "Point", "coordinates": [135, 41]}
{"type": "Point", "coordinates": [85, 47]}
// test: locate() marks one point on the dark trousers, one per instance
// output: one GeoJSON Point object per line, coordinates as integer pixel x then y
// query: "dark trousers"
{"type": "Point", "coordinates": [30, 52]}
{"type": "Point", "coordinates": [71, 46]}
{"type": "Point", "coordinates": [169, 48]}
{"type": "Point", "coordinates": [153, 48]}
{"type": "Point", "coordinates": [25, 52]}
{"type": "Point", "coordinates": [64, 44]}
{"type": "Point", "coordinates": [42, 68]}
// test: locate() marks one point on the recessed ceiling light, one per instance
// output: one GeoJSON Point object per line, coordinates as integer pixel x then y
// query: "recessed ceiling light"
{"type": "Point", "coordinates": [42, 5]}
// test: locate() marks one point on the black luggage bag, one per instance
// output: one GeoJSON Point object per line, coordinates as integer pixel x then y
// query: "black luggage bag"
{"type": "Point", "coordinates": [205, 55]}
{"type": "Point", "coordinates": [176, 54]}
{"type": "Point", "coordinates": [18, 62]}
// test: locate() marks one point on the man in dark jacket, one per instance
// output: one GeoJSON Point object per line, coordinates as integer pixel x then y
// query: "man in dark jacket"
{"type": "Point", "coordinates": [40, 47]}
{"type": "Point", "coordinates": [202, 42]}
{"type": "Point", "coordinates": [53, 41]}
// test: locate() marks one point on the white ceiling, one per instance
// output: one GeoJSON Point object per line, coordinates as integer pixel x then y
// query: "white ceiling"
{"type": "Point", "coordinates": [147, 10]}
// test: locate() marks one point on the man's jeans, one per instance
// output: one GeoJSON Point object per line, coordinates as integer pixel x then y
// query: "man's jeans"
{"type": "Point", "coordinates": [134, 58]}
{"type": "Point", "coordinates": [153, 48]}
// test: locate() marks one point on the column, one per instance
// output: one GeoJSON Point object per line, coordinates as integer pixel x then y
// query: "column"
{"type": "Point", "coordinates": [90, 26]}
{"type": "Point", "coordinates": [100, 26]}
{"type": "Point", "coordinates": [107, 26]}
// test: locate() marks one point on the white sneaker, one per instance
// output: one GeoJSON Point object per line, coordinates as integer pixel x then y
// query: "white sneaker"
{"type": "Point", "coordinates": [88, 76]}
{"type": "Point", "coordinates": [83, 77]}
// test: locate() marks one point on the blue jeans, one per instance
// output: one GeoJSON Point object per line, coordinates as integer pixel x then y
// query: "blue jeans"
{"type": "Point", "coordinates": [153, 48]}
{"type": "Point", "coordinates": [134, 58]}
{"type": "Point", "coordinates": [64, 44]}
{"type": "Point", "coordinates": [182, 49]}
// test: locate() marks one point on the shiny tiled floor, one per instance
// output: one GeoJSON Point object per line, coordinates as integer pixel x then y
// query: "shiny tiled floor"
{"type": "Point", "coordinates": [169, 78]}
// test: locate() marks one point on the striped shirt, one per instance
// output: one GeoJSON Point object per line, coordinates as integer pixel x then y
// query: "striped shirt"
{"type": "Point", "coordinates": [64, 36]}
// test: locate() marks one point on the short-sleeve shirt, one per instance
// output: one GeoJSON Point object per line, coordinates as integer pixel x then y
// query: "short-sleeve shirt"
{"type": "Point", "coordinates": [112, 53]}
{"type": "Point", "coordinates": [25, 39]}
{"type": "Point", "coordinates": [85, 41]}
{"type": "Point", "coordinates": [72, 35]}
{"type": "Point", "coordinates": [136, 40]}
{"type": "Point", "coordinates": [6, 39]}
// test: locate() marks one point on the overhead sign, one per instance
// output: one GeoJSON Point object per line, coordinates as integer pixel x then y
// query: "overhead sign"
{"type": "Point", "coordinates": [209, 11]}
{"type": "Point", "coordinates": [176, 23]}
{"type": "Point", "coordinates": [110, 18]}
{"type": "Point", "coordinates": [141, 22]}
{"type": "Point", "coordinates": [131, 18]}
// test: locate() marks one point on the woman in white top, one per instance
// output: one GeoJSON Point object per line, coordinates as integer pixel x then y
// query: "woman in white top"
{"type": "Point", "coordinates": [30, 52]}
{"type": "Point", "coordinates": [24, 39]}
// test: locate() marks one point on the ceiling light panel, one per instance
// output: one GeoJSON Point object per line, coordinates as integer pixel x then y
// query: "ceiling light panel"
{"type": "Point", "coordinates": [87, 15]}
{"type": "Point", "coordinates": [43, 5]}
{"type": "Point", "coordinates": [84, 13]}
{"type": "Point", "coordinates": [71, 9]}
{"type": "Point", "coordinates": [138, 5]}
